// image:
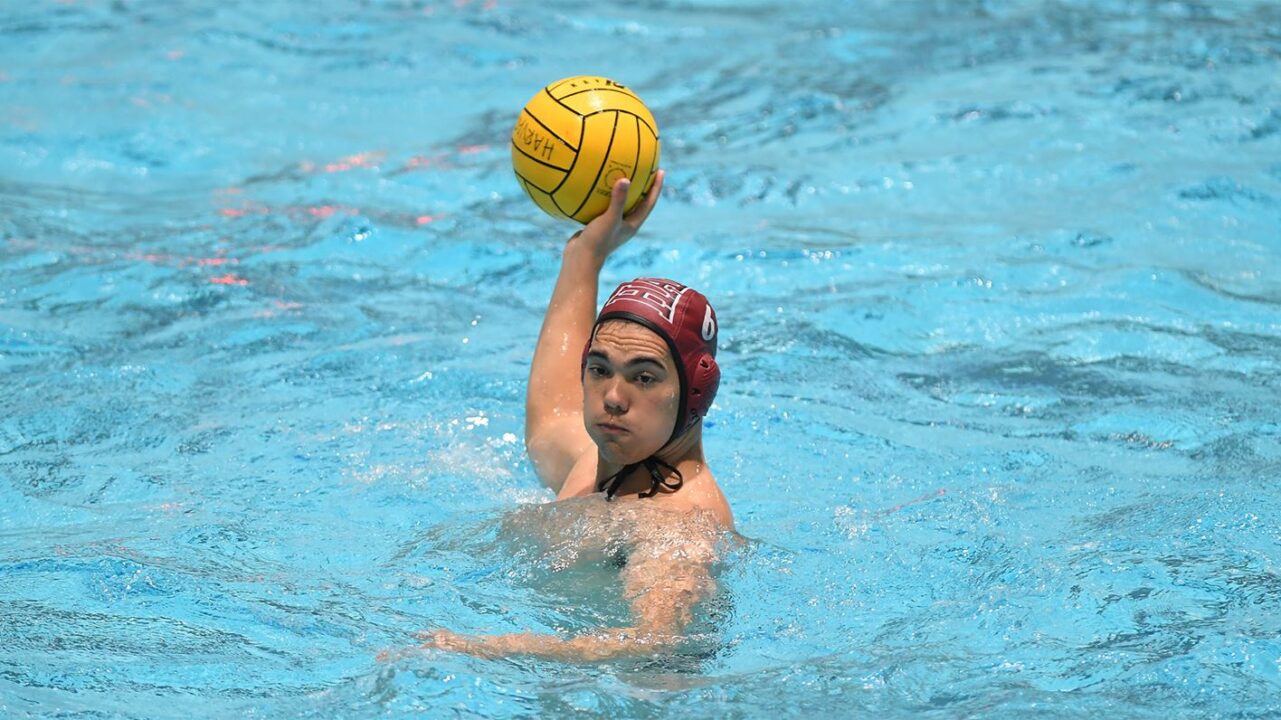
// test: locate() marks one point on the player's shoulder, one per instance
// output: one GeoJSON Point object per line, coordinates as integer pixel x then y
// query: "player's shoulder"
{"type": "Point", "coordinates": [705, 496]}
{"type": "Point", "coordinates": [719, 509]}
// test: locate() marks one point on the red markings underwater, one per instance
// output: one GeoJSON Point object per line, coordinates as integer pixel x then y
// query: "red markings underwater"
{"type": "Point", "coordinates": [215, 261]}
{"type": "Point", "coordinates": [487, 5]}
{"type": "Point", "coordinates": [279, 306]}
{"type": "Point", "coordinates": [439, 161]}
{"type": "Point", "coordinates": [233, 207]}
{"type": "Point", "coordinates": [915, 501]}
{"type": "Point", "coordinates": [243, 211]}
{"type": "Point", "coordinates": [325, 212]}
{"type": "Point", "coordinates": [359, 160]}
{"type": "Point", "coordinates": [373, 160]}
{"type": "Point", "coordinates": [231, 204]}
{"type": "Point", "coordinates": [175, 261]}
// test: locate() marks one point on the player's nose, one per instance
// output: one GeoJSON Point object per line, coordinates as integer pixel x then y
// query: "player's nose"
{"type": "Point", "coordinates": [615, 398]}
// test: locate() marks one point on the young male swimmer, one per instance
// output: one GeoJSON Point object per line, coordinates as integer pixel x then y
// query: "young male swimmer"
{"type": "Point", "coordinates": [614, 408]}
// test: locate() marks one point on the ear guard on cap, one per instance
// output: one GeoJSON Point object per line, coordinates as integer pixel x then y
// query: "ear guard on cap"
{"type": "Point", "coordinates": [704, 379]}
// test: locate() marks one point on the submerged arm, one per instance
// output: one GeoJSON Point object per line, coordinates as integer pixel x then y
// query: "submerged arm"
{"type": "Point", "coordinates": [663, 592]}
{"type": "Point", "coordinates": [554, 433]}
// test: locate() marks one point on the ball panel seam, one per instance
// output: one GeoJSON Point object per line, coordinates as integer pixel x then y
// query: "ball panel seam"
{"type": "Point", "coordinates": [604, 161]}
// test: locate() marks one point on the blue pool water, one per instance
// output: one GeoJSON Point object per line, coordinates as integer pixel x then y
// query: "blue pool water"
{"type": "Point", "coordinates": [998, 286]}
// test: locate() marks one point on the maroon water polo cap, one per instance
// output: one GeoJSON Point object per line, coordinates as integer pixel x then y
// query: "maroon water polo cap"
{"type": "Point", "coordinates": [685, 319]}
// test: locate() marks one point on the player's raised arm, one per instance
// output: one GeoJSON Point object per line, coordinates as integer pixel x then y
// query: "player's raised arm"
{"type": "Point", "coordinates": [554, 433]}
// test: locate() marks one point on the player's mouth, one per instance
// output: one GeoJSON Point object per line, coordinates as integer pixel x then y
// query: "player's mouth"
{"type": "Point", "coordinates": [612, 429]}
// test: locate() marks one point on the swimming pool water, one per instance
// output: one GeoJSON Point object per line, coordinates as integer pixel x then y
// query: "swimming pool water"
{"type": "Point", "coordinates": [1001, 350]}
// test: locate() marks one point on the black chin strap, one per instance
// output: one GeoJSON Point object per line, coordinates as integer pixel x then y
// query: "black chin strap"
{"type": "Point", "coordinates": [652, 465]}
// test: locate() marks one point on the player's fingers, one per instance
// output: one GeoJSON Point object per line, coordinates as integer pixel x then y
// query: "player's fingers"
{"type": "Point", "coordinates": [643, 208]}
{"type": "Point", "coordinates": [618, 198]}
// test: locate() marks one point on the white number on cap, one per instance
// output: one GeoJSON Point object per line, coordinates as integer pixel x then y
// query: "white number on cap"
{"type": "Point", "coordinates": [709, 325]}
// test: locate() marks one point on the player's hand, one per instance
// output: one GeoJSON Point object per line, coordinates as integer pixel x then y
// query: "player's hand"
{"type": "Point", "coordinates": [609, 230]}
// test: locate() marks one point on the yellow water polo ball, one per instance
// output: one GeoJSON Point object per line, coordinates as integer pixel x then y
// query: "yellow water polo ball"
{"type": "Point", "coordinates": [575, 138]}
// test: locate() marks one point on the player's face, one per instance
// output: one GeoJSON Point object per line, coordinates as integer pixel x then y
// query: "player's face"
{"type": "Point", "coordinates": [631, 392]}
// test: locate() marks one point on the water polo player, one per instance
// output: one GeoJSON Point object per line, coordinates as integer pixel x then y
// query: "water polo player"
{"type": "Point", "coordinates": [614, 411]}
